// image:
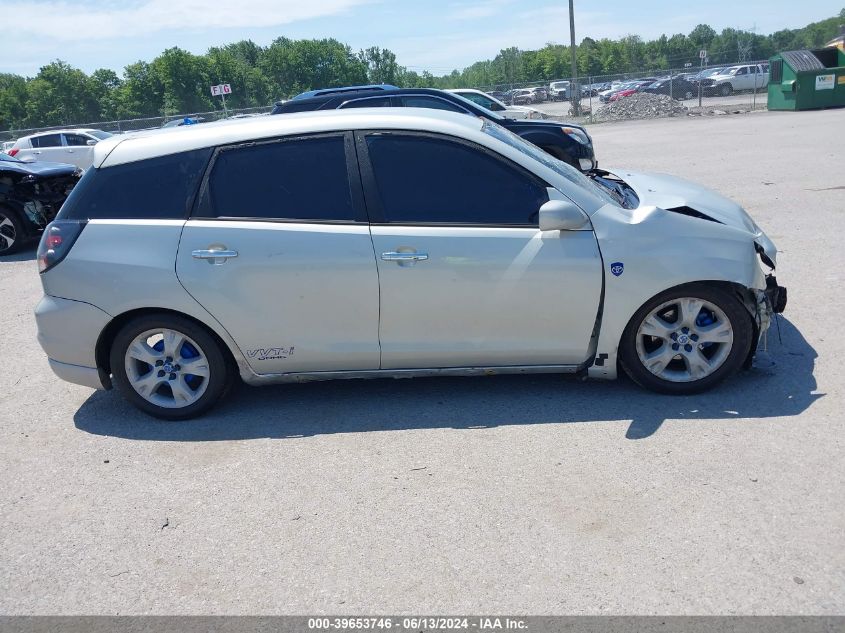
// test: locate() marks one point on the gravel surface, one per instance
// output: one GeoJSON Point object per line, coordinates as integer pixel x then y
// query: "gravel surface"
{"type": "Point", "coordinates": [522, 495]}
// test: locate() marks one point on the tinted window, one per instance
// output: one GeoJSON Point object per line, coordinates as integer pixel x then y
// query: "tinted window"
{"type": "Point", "coordinates": [157, 188]}
{"type": "Point", "coordinates": [430, 102]}
{"type": "Point", "coordinates": [299, 179]}
{"type": "Point", "coordinates": [76, 139]}
{"type": "Point", "coordinates": [423, 179]}
{"type": "Point", "coordinates": [374, 102]}
{"type": "Point", "coordinates": [47, 140]}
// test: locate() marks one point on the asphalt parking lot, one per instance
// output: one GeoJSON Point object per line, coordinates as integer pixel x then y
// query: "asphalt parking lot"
{"type": "Point", "coordinates": [520, 495]}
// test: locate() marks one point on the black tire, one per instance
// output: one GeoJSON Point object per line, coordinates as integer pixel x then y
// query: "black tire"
{"type": "Point", "coordinates": [725, 90]}
{"type": "Point", "coordinates": [743, 334]}
{"type": "Point", "coordinates": [13, 233]}
{"type": "Point", "coordinates": [220, 372]}
{"type": "Point", "coordinates": [688, 95]}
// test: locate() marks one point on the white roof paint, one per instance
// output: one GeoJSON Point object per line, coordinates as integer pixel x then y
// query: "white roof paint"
{"type": "Point", "coordinates": [137, 146]}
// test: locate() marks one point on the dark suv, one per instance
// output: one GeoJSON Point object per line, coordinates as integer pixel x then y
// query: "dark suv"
{"type": "Point", "coordinates": [570, 143]}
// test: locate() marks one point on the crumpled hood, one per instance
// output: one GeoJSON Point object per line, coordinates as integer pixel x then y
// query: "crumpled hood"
{"type": "Point", "coordinates": [670, 192]}
{"type": "Point", "coordinates": [38, 168]}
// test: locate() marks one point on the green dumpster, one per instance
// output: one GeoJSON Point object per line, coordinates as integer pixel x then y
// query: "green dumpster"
{"type": "Point", "coordinates": [805, 79]}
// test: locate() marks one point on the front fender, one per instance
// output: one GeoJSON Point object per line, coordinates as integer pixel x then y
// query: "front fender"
{"type": "Point", "coordinates": [648, 250]}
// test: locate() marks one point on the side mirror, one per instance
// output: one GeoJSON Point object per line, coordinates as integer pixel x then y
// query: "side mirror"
{"type": "Point", "coordinates": [561, 215]}
{"type": "Point", "coordinates": [90, 141]}
{"type": "Point", "coordinates": [495, 107]}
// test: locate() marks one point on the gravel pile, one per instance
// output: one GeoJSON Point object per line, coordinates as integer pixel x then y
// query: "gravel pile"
{"type": "Point", "coordinates": [640, 105]}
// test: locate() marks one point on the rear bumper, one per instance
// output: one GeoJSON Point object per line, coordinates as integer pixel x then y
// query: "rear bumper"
{"type": "Point", "coordinates": [68, 331]}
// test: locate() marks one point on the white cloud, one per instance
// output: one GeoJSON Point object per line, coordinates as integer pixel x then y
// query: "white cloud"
{"type": "Point", "coordinates": [63, 20]}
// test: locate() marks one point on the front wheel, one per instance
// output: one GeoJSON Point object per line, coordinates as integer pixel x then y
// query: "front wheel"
{"type": "Point", "coordinates": [11, 232]}
{"type": "Point", "coordinates": [686, 340]}
{"type": "Point", "coordinates": [168, 366]}
{"type": "Point", "coordinates": [725, 90]}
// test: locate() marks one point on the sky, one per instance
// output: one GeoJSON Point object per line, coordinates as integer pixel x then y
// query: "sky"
{"type": "Point", "coordinates": [433, 35]}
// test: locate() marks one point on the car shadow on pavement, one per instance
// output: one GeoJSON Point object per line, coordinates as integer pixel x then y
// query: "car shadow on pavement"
{"type": "Point", "coordinates": [780, 385]}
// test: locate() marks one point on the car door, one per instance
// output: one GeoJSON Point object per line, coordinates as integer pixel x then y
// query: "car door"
{"type": "Point", "coordinates": [741, 80]}
{"type": "Point", "coordinates": [466, 276]}
{"type": "Point", "coordinates": [46, 147]}
{"type": "Point", "coordinates": [77, 151]}
{"type": "Point", "coordinates": [278, 250]}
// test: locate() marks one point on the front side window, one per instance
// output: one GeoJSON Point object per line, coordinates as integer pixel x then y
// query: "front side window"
{"type": "Point", "coordinates": [76, 140]}
{"type": "Point", "coordinates": [47, 140]}
{"type": "Point", "coordinates": [373, 102]}
{"type": "Point", "coordinates": [297, 179]}
{"type": "Point", "coordinates": [429, 102]}
{"type": "Point", "coordinates": [423, 179]}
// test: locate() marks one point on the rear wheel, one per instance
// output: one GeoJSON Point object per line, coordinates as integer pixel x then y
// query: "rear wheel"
{"type": "Point", "coordinates": [686, 340]}
{"type": "Point", "coordinates": [168, 366]}
{"type": "Point", "coordinates": [11, 232]}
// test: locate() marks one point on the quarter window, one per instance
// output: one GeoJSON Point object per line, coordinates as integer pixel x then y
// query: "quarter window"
{"type": "Point", "coordinates": [299, 179]}
{"type": "Point", "coordinates": [422, 179]}
{"type": "Point", "coordinates": [156, 188]}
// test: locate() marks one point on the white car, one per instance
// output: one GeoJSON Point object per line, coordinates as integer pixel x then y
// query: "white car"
{"type": "Point", "coordinates": [387, 242]}
{"type": "Point", "coordinates": [493, 104]}
{"type": "Point", "coordinates": [74, 147]}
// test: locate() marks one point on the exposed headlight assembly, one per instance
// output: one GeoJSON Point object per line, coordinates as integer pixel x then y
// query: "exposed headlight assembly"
{"type": "Point", "coordinates": [577, 134]}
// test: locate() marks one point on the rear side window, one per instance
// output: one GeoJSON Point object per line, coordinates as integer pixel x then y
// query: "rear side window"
{"type": "Point", "coordinates": [423, 179]}
{"type": "Point", "coordinates": [298, 179]}
{"type": "Point", "coordinates": [157, 188]}
{"type": "Point", "coordinates": [47, 140]}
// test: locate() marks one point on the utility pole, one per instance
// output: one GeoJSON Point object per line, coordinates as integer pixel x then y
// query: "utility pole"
{"type": "Point", "coordinates": [574, 90]}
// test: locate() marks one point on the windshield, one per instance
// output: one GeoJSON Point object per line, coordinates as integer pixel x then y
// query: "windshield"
{"type": "Point", "coordinates": [99, 134]}
{"type": "Point", "coordinates": [474, 107]}
{"type": "Point", "coordinates": [558, 166]}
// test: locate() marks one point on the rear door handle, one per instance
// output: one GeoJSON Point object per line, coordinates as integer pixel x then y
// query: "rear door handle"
{"type": "Point", "coordinates": [393, 256]}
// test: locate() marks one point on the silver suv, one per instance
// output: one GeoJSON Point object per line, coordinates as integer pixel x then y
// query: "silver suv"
{"type": "Point", "coordinates": [386, 242]}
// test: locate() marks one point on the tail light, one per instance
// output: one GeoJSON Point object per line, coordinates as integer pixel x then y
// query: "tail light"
{"type": "Point", "coordinates": [56, 242]}
{"type": "Point", "coordinates": [13, 152]}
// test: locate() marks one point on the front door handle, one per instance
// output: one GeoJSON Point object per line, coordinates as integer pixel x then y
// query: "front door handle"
{"type": "Point", "coordinates": [214, 256]}
{"type": "Point", "coordinates": [393, 256]}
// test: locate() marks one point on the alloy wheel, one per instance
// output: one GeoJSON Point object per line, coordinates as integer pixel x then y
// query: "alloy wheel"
{"type": "Point", "coordinates": [684, 340]}
{"type": "Point", "coordinates": [167, 368]}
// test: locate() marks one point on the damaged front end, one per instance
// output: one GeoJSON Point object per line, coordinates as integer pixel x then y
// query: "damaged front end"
{"type": "Point", "coordinates": [31, 195]}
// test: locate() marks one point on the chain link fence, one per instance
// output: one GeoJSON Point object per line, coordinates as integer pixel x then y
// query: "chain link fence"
{"type": "Point", "coordinates": [134, 125]}
{"type": "Point", "coordinates": [699, 91]}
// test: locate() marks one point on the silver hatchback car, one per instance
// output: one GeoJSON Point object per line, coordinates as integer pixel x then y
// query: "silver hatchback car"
{"type": "Point", "coordinates": [382, 242]}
